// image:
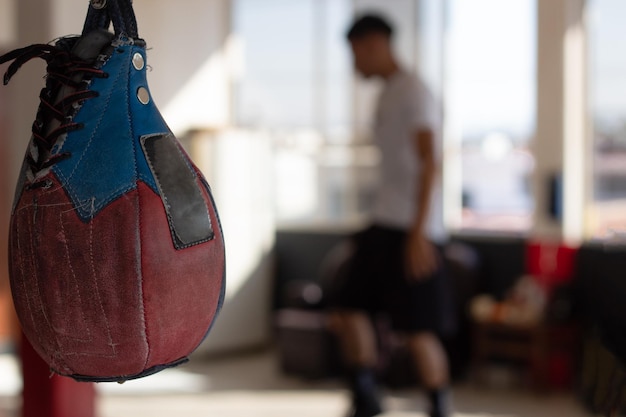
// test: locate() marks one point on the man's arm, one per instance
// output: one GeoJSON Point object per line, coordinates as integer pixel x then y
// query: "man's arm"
{"type": "Point", "coordinates": [420, 256]}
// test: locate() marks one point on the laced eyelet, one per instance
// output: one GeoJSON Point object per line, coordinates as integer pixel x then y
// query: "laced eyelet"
{"type": "Point", "coordinates": [44, 185]}
{"type": "Point", "coordinates": [98, 4]}
{"type": "Point", "coordinates": [63, 70]}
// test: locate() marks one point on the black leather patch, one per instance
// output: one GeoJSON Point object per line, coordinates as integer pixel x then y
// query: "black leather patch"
{"type": "Point", "coordinates": [186, 208]}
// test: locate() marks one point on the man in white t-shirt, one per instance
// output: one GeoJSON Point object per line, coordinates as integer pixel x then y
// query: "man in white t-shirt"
{"type": "Point", "coordinates": [397, 267]}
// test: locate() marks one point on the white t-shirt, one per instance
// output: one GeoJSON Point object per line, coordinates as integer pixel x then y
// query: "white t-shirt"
{"type": "Point", "coordinates": [405, 107]}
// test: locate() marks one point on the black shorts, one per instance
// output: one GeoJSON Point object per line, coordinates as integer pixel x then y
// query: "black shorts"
{"type": "Point", "coordinates": [376, 281]}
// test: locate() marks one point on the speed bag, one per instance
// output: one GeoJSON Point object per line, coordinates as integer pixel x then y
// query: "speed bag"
{"type": "Point", "coordinates": [116, 254]}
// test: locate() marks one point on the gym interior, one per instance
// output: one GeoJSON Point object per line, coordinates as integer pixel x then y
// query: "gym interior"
{"type": "Point", "coordinates": [264, 98]}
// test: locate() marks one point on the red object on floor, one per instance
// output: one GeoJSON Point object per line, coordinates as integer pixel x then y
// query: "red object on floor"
{"type": "Point", "coordinates": [50, 395]}
{"type": "Point", "coordinates": [551, 263]}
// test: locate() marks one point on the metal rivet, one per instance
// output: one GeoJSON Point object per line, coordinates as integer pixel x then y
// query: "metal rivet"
{"type": "Point", "coordinates": [98, 4]}
{"type": "Point", "coordinates": [143, 95]}
{"type": "Point", "coordinates": [138, 61]}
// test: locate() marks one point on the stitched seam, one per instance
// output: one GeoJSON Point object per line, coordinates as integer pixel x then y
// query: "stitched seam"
{"type": "Point", "coordinates": [76, 286]}
{"type": "Point", "coordinates": [114, 195]}
{"type": "Point", "coordinates": [139, 225]}
{"type": "Point", "coordinates": [141, 281]}
{"type": "Point", "coordinates": [145, 178]}
{"type": "Point", "coordinates": [22, 280]}
{"type": "Point", "coordinates": [97, 288]}
{"type": "Point", "coordinates": [56, 355]}
{"type": "Point", "coordinates": [95, 130]}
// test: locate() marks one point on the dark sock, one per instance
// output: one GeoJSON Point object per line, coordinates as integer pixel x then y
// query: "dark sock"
{"type": "Point", "coordinates": [365, 397]}
{"type": "Point", "coordinates": [439, 403]}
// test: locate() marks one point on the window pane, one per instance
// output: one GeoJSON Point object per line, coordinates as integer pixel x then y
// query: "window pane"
{"type": "Point", "coordinates": [490, 91]}
{"type": "Point", "coordinates": [608, 108]}
{"type": "Point", "coordinates": [294, 65]}
{"type": "Point", "coordinates": [275, 87]}
{"type": "Point", "coordinates": [335, 74]}
{"type": "Point", "coordinates": [296, 81]}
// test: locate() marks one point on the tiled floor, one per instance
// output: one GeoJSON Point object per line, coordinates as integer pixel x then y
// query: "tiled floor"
{"type": "Point", "coordinates": [251, 386]}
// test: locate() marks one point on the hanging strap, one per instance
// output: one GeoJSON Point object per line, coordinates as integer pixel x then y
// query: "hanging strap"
{"type": "Point", "coordinates": [102, 12]}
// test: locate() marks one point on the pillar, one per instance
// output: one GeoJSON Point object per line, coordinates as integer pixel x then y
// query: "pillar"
{"type": "Point", "coordinates": [47, 395]}
{"type": "Point", "coordinates": [562, 146]}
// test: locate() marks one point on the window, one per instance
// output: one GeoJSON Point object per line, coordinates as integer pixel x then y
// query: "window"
{"type": "Point", "coordinates": [295, 67]}
{"type": "Point", "coordinates": [296, 82]}
{"type": "Point", "coordinates": [608, 111]}
{"type": "Point", "coordinates": [490, 94]}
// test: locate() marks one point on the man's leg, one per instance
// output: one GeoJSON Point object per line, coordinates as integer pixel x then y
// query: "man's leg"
{"type": "Point", "coordinates": [358, 345]}
{"type": "Point", "coordinates": [356, 337]}
{"type": "Point", "coordinates": [432, 366]}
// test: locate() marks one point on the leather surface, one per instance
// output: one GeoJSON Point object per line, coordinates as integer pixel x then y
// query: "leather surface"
{"type": "Point", "coordinates": [113, 124]}
{"type": "Point", "coordinates": [102, 289]}
{"type": "Point", "coordinates": [186, 209]}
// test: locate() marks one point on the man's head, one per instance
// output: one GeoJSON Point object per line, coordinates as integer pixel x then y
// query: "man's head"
{"type": "Point", "coordinates": [370, 39]}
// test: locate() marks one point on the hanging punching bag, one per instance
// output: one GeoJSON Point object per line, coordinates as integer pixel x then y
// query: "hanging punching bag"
{"type": "Point", "coordinates": [116, 252]}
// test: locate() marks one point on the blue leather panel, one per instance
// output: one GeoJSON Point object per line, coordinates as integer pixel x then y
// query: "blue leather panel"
{"type": "Point", "coordinates": [107, 160]}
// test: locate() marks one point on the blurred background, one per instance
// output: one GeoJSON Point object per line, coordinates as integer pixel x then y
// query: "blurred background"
{"type": "Point", "coordinates": [263, 96]}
